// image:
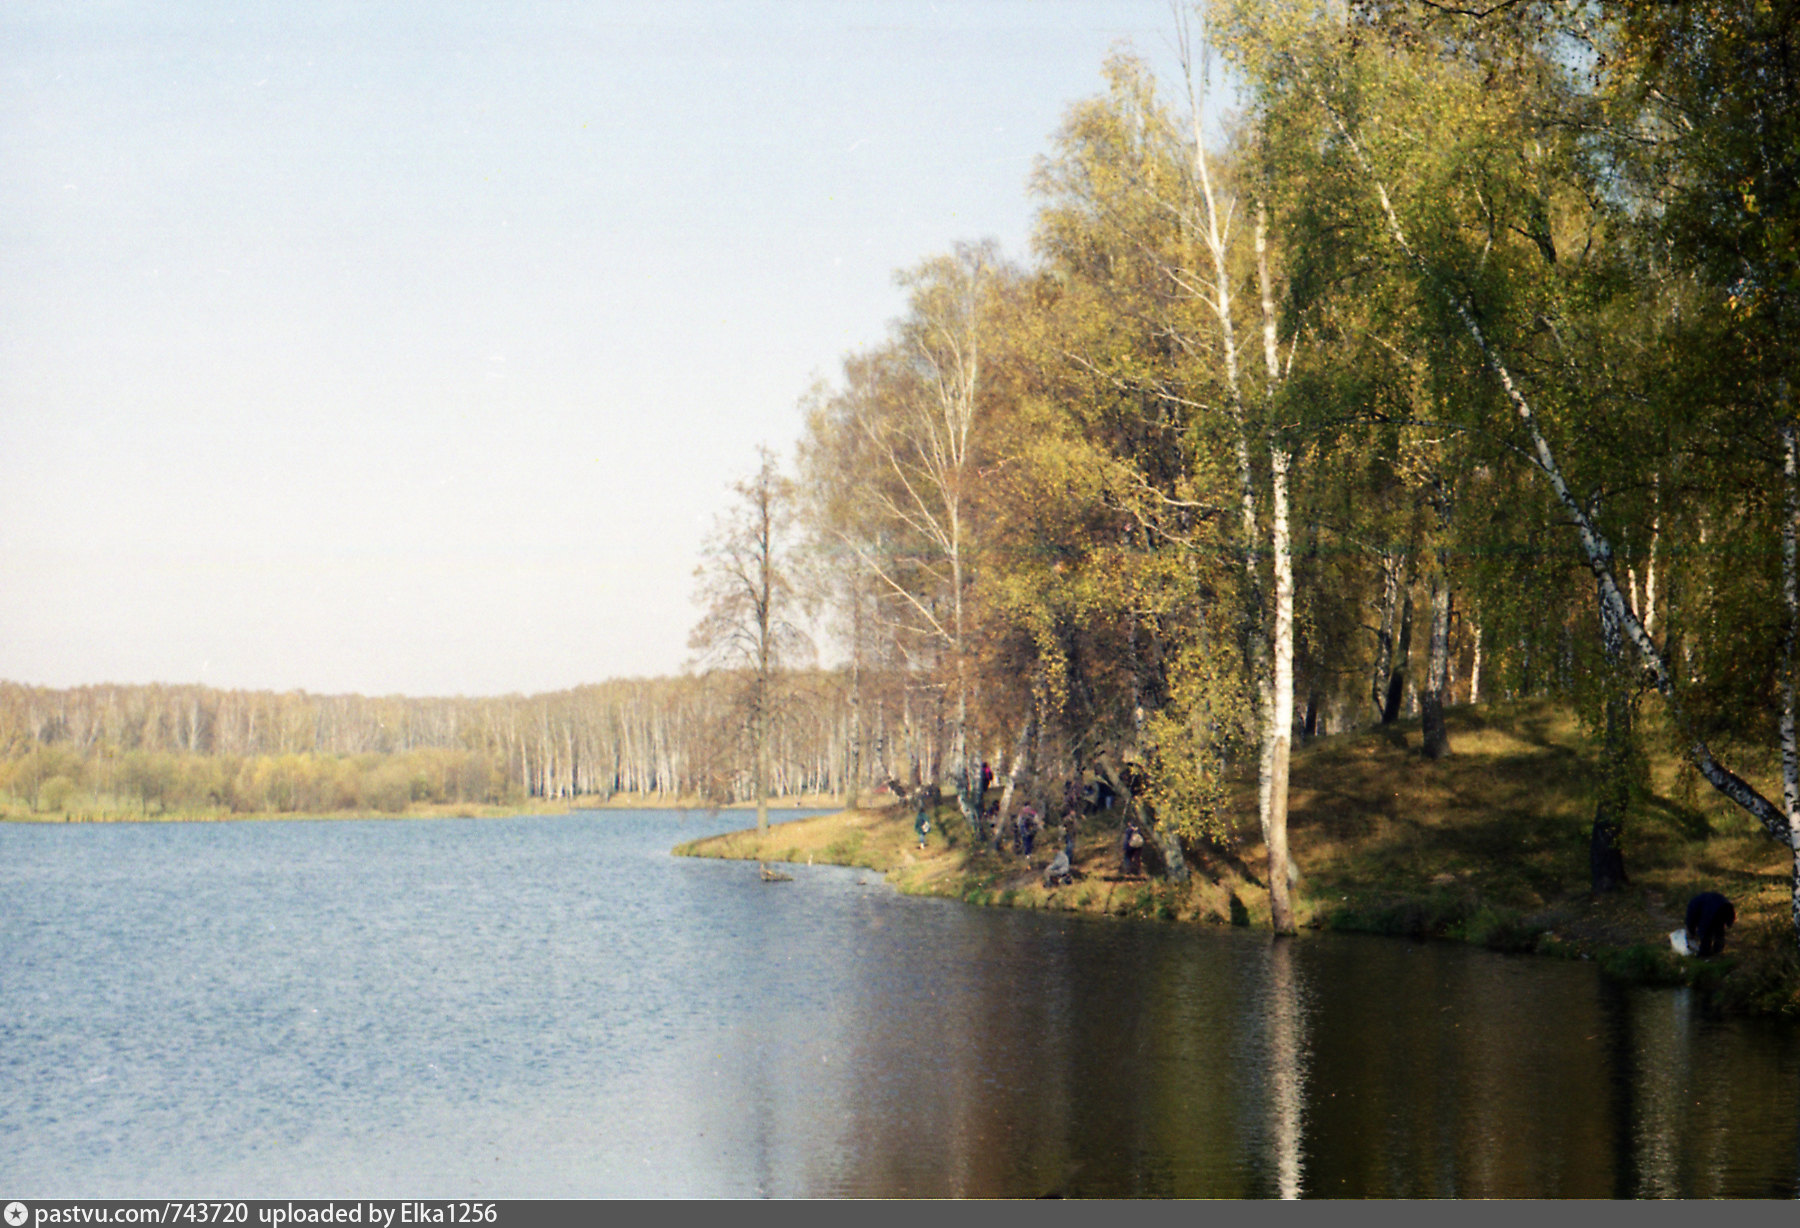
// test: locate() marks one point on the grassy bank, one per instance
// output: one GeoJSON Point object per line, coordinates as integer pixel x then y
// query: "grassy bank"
{"type": "Point", "coordinates": [1488, 847]}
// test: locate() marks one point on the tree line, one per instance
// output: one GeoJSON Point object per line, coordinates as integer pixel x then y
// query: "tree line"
{"type": "Point", "coordinates": [1460, 365]}
{"type": "Point", "coordinates": [165, 748]}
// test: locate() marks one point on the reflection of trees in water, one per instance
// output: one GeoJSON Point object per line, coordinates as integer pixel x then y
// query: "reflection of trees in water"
{"type": "Point", "coordinates": [1648, 1080]}
{"type": "Point", "coordinates": [1271, 1056]}
{"type": "Point", "coordinates": [988, 1054]}
{"type": "Point", "coordinates": [1045, 1057]}
{"type": "Point", "coordinates": [957, 1047]}
{"type": "Point", "coordinates": [1287, 1066]}
{"type": "Point", "coordinates": [1703, 1108]}
{"type": "Point", "coordinates": [1437, 1071]}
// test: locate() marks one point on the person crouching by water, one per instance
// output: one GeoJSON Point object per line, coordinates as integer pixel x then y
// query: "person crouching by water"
{"type": "Point", "coordinates": [1134, 847]}
{"type": "Point", "coordinates": [1058, 873]}
{"type": "Point", "coordinates": [1709, 915]}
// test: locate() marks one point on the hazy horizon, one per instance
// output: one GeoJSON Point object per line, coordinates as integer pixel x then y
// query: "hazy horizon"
{"type": "Point", "coordinates": [413, 350]}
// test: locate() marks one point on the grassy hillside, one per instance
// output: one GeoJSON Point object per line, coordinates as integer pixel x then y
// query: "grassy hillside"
{"type": "Point", "coordinates": [1489, 846]}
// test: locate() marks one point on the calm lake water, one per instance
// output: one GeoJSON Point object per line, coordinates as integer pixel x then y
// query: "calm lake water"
{"type": "Point", "coordinates": [554, 1006]}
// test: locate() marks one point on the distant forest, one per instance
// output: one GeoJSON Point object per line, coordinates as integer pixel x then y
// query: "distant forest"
{"type": "Point", "coordinates": [158, 749]}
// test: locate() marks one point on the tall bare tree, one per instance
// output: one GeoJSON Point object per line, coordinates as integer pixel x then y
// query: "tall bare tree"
{"type": "Point", "coordinates": [746, 589]}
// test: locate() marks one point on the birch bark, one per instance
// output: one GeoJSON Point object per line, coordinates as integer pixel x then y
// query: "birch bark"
{"type": "Point", "coordinates": [1595, 548]}
{"type": "Point", "coordinates": [1435, 737]}
{"type": "Point", "coordinates": [1475, 669]}
{"type": "Point", "coordinates": [1215, 227]}
{"type": "Point", "coordinates": [1281, 718]}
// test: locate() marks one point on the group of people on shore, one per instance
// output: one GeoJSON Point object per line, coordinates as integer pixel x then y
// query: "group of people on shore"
{"type": "Point", "coordinates": [1080, 799]}
{"type": "Point", "coordinates": [1020, 832]}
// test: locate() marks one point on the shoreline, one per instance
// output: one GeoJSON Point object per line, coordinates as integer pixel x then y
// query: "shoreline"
{"type": "Point", "coordinates": [1487, 848]}
{"type": "Point", "coordinates": [1748, 979]}
{"type": "Point", "coordinates": [414, 812]}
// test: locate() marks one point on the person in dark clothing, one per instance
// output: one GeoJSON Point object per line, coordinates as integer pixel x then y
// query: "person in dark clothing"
{"type": "Point", "coordinates": [1006, 831]}
{"type": "Point", "coordinates": [1134, 847]}
{"type": "Point", "coordinates": [1709, 915]}
{"type": "Point", "coordinates": [987, 779]}
{"type": "Point", "coordinates": [1029, 826]}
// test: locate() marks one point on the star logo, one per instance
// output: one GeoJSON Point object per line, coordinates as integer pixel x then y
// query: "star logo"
{"type": "Point", "coordinates": [15, 1214]}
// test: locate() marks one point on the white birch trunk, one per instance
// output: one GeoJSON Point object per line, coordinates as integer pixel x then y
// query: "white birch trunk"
{"type": "Point", "coordinates": [1475, 669]}
{"type": "Point", "coordinates": [1437, 666]}
{"type": "Point", "coordinates": [1215, 232]}
{"type": "Point", "coordinates": [1015, 776]}
{"type": "Point", "coordinates": [1281, 719]}
{"type": "Point", "coordinates": [1594, 545]}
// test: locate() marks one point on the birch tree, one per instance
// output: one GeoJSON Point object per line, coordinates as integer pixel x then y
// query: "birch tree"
{"type": "Point", "coordinates": [893, 454]}
{"type": "Point", "coordinates": [1370, 94]}
{"type": "Point", "coordinates": [1272, 660]}
{"type": "Point", "coordinates": [749, 625]}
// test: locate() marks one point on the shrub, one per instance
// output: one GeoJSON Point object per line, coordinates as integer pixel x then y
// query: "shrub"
{"type": "Point", "coordinates": [1646, 963]}
{"type": "Point", "coordinates": [1499, 929]}
{"type": "Point", "coordinates": [56, 792]}
{"type": "Point", "coordinates": [1759, 982]}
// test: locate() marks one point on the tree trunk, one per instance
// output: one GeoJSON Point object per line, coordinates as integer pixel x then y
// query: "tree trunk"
{"type": "Point", "coordinates": [1650, 568]}
{"type": "Point", "coordinates": [1384, 647]}
{"type": "Point", "coordinates": [1281, 909]}
{"type": "Point", "coordinates": [1475, 670]}
{"type": "Point", "coordinates": [1396, 687]}
{"type": "Point", "coordinates": [1281, 719]}
{"type": "Point", "coordinates": [853, 752]}
{"type": "Point", "coordinates": [1606, 857]}
{"type": "Point", "coordinates": [1431, 700]}
{"type": "Point", "coordinates": [1790, 591]}
{"type": "Point", "coordinates": [762, 781]}
{"type": "Point", "coordinates": [1256, 649]}
{"type": "Point", "coordinates": [1016, 770]}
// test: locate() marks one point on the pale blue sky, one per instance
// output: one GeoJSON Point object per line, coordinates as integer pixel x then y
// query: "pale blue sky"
{"type": "Point", "coordinates": [412, 347]}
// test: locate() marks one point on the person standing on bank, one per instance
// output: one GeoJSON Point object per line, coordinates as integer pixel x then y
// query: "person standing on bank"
{"type": "Point", "coordinates": [1134, 848]}
{"type": "Point", "coordinates": [1029, 826]}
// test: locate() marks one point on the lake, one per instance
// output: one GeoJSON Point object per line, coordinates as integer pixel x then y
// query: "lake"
{"type": "Point", "coordinates": [553, 1006]}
